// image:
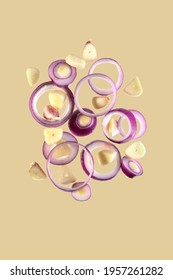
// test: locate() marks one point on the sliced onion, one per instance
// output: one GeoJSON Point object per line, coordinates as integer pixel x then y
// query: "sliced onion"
{"type": "Point", "coordinates": [46, 149]}
{"type": "Point", "coordinates": [131, 167]}
{"type": "Point", "coordinates": [138, 116]}
{"type": "Point", "coordinates": [42, 89]}
{"type": "Point", "coordinates": [61, 79]}
{"type": "Point", "coordinates": [131, 121]}
{"type": "Point", "coordinates": [120, 77]}
{"type": "Point", "coordinates": [90, 77]}
{"type": "Point", "coordinates": [82, 194]}
{"type": "Point", "coordinates": [87, 164]}
{"type": "Point", "coordinates": [76, 128]}
{"type": "Point", "coordinates": [90, 173]}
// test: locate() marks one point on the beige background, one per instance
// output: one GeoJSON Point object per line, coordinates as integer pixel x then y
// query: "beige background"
{"type": "Point", "coordinates": [125, 219]}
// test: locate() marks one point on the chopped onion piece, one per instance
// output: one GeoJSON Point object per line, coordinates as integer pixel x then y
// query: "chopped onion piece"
{"type": "Point", "coordinates": [136, 150]}
{"type": "Point", "coordinates": [53, 135]}
{"type": "Point", "coordinates": [57, 98]}
{"type": "Point", "coordinates": [66, 176]}
{"type": "Point", "coordinates": [134, 88]}
{"type": "Point", "coordinates": [89, 52]}
{"type": "Point", "coordinates": [100, 101]}
{"type": "Point", "coordinates": [75, 61]}
{"type": "Point", "coordinates": [106, 156]}
{"type": "Point", "coordinates": [82, 194]}
{"type": "Point", "coordinates": [32, 75]}
{"type": "Point", "coordinates": [50, 113]}
{"type": "Point", "coordinates": [37, 172]}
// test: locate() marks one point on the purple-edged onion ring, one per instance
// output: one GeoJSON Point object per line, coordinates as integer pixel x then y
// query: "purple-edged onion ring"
{"type": "Point", "coordinates": [47, 148]}
{"type": "Point", "coordinates": [131, 121]}
{"type": "Point", "coordinates": [90, 173]}
{"type": "Point", "coordinates": [120, 75]}
{"type": "Point", "coordinates": [61, 73]}
{"type": "Point", "coordinates": [138, 116]}
{"type": "Point", "coordinates": [40, 90]}
{"type": "Point", "coordinates": [87, 78]}
{"type": "Point", "coordinates": [86, 162]}
{"type": "Point", "coordinates": [131, 167]}
{"type": "Point", "coordinates": [77, 128]}
{"type": "Point", "coordinates": [82, 194]}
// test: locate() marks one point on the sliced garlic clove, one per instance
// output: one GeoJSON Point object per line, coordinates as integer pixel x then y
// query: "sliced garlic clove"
{"type": "Point", "coordinates": [52, 135]}
{"type": "Point", "coordinates": [62, 151]}
{"type": "Point", "coordinates": [66, 176]}
{"type": "Point", "coordinates": [112, 128]}
{"type": "Point", "coordinates": [32, 75]}
{"type": "Point", "coordinates": [100, 101]}
{"type": "Point", "coordinates": [37, 172]}
{"type": "Point", "coordinates": [136, 151]}
{"type": "Point", "coordinates": [134, 88]}
{"type": "Point", "coordinates": [89, 52]}
{"type": "Point", "coordinates": [75, 61]}
{"type": "Point", "coordinates": [50, 113]}
{"type": "Point", "coordinates": [106, 156]}
{"type": "Point", "coordinates": [57, 98]}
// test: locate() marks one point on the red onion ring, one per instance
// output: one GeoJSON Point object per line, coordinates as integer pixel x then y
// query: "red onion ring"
{"type": "Point", "coordinates": [46, 149]}
{"type": "Point", "coordinates": [87, 78]}
{"type": "Point", "coordinates": [91, 160]}
{"type": "Point", "coordinates": [127, 170]}
{"type": "Point", "coordinates": [78, 197]}
{"type": "Point", "coordinates": [86, 163]}
{"type": "Point", "coordinates": [57, 79]}
{"type": "Point", "coordinates": [143, 124]}
{"type": "Point", "coordinates": [120, 77]}
{"type": "Point", "coordinates": [131, 120]}
{"type": "Point", "coordinates": [79, 130]}
{"type": "Point", "coordinates": [40, 90]}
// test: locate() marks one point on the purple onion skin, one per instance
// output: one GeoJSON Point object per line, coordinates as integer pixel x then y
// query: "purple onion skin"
{"type": "Point", "coordinates": [78, 130]}
{"type": "Point", "coordinates": [45, 122]}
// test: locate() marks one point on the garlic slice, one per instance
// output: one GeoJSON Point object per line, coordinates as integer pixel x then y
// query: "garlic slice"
{"type": "Point", "coordinates": [100, 101]}
{"type": "Point", "coordinates": [52, 135]}
{"type": "Point", "coordinates": [66, 176]}
{"type": "Point", "coordinates": [134, 88]}
{"type": "Point", "coordinates": [32, 75]}
{"type": "Point", "coordinates": [136, 151]}
{"type": "Point", "coordinates": [37, 172]}
{"type": "Point", "coordinates": [106, 156]}
{"type": "Point", "coordinates": [57, 98]}
{"type": "Point", "coordinates": [89, 52]}
{"type": "Point", "coordinates": [75, 61]}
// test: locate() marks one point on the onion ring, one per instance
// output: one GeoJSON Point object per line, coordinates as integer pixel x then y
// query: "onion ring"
{"type": "Point", "coordinates": [120, 77]}
{"type": "Point", "coordinates": [81, 195]}
{"type": "Point", "coordinates": [126, 166]}
{"type": "Point", "coordinates": [40, 90]}
{"type": "Point", "coordinates": [91, 160]}
{"type": "Point", "coordinates": [87, 78]}
{"type": "Point", "coordinates": [86, 163]}
{"type": "Point", "coordinates": [46, 149]}
{"type": "Point", "coordinates": [132, 125]}
{"type": "Point", "coordinates": [58, 79]}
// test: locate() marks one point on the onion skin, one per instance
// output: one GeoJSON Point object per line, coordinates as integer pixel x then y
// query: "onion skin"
{"type": "Point", "coordinates": [61, 82]}
{"type": "Point", "coordinates": [75, 127]}
{"type": "Point", "coordinates": [127, 170]}
{"type": "Point", "coordinates": [133, 125]}
{"type": "Point", "coordinates": [117, 84]}
{"type": "Point", "coordinates": [39, 118]}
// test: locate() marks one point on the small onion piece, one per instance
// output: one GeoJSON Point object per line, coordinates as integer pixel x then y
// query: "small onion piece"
{"type": "Point", "coordinates": [61, 73]}
{"type": "Point", "coordinates": [38, 92]}
{"type": "Point", "coordinates": [90, 77]}
{"type": "Point", "coordinates": [131, 121]}
{"type": "Point", "coordinates": [131, 168]}
{"type": "Point", "coordinates": [87, 165]}
{"type": "Point", "coordinates": [120, 77]}
{"type": "Point", "coordinates": [90, 173]}
{"type": "Point", "coordinates": [46, 149]}
{"type": "Point", "coordinates": [82, 194]}
{"type": "Point", "coordinates": [76, 126]}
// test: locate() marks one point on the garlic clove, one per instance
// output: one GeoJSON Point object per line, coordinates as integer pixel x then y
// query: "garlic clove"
{"type": "Point", "coordinates": [37, 172]}
{"type": "Point", "coordinates": [100, 101]}
{"type": "Point", "coordinates": [106, 156]}
{"type": "Point", "coordinates": [32, 75]}
{"type": "Point", "coordinates": [134, 88]}
{"type": "Point", "coordinates": [75, 61]}
{"type": "Point", "coordinates": [136, 151]}
{"type": "Point", "coordinates": [57, 98]}
{"type": "Point", "coordinates": [52, 135]}
{"type": "Point", "coordinates": [89, 52]}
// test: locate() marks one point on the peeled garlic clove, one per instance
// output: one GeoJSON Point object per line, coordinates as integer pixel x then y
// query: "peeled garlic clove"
{"type": "Point", "coordinates": [84, 120]}
{"type": "Point", "coordinates": [62, 151]}
{"type": "Point", "coordinates": [66, 176]}
{"type": "Point", "coordinates": [100, 102]}
{"type": "Point", "coordinates": [106, 156]}
{"type": "Point", "coordinates": [112, 127]}
{"type": "Point", "coordinates": [136, 151]}
{"type": "Point", "coordinates": [134, 88]}
{"type": "Point", "coordinates": [36, 171]}
{"type": "Point", "coordinates": [89, 52]}
{"type": "Point", "coordinates": [75, 61]}
{"type": "Point", "coordinates": [32, 75]}
{"type": "Point", "coordinates": [50, 113]}
{"type": "Point", "coordinates": [57, 98]}
{"type": "Point", "coordinates": [52, 135]}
